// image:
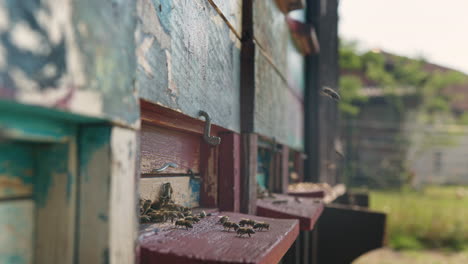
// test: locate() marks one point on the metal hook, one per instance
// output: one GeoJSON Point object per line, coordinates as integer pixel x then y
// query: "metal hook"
{"type": "Point", "coordinates": [211, 140]}
{"type": "Point", "coordinates": [165, 166]}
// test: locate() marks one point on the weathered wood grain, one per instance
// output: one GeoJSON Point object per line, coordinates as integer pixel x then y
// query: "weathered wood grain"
{"type": "Point", "coordinates": [229, 172]}
{"type": "Point", "coordinates": [307, 211]}
{"type": "Point", "coordinates": [160, 146]}
{"type": "Point", "coordinates": [70, 55]}
{"type": "Point", "coordinates": [122, 215]}
{"type": "Point", "coordinates": [278, 113]}
{"type": "Point", "coordinates": [188, 59]}
{"type": "Point", "coordinates": [94, 195]}
{"type": "Point", "coordinates": [17, 229]}
{"type": "Point", "coordinates": [232, 11]}
{"type": "Point", "coordinates": [107, 215]}
{"type": "Point", "coordinates": [208, 243]}
{"type": "Point", "coordinates": [209, 169]}
{"type": "Point", "coordinates": [186, 190]}
{"type": "Point", "coordinates": [249, 150]}
{"type": "Point", "coordinates": [17, 167]}
{"type": "Point", "coordinates": [271, 33]}
{"type": "Point", "coordinates": [55, 198]}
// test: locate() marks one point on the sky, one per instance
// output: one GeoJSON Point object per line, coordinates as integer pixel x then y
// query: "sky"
{"type": "Point", "coordinates": [434, 29]}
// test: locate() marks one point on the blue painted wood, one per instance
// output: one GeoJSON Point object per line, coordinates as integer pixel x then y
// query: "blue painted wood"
{"type": "Point", "coordinates": [17, 232]}
{"type": "Point", "coordinates": [17, 165]}
{"type": "Point", "coordinates": [188, 59]}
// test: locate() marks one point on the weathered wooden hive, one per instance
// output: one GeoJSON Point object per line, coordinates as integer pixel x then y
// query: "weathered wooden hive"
{"type": "Point", "coordinates": [197, 105]}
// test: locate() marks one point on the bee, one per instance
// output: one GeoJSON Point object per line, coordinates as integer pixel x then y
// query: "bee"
{"type": "Point", "coordinates": [202, 214]}
{"type": "Point", "coordinates": [145, 207]}
{"type": "Point", "coordinates": [183, 223]}
{"type": "Point", "coordinates": [327, 91]}
{"type": "Point", "coordinates": [223, 219]}
{"type": "Point", "coordinates": [230, 225]}
{"type": "Point", "coordinates": [188, 218]}
{"type": "Point", "coordinates": [208, 214]}
{"type": "Point", "coordinates": [171, 215]}
{"type": "Point", "coordinates": [280, 201]}
{"type": "Point", "coordinates": [245, 230]}
{"type": "Point", "coordinates": [261, 225]}
{"type": "Point", "coordinates": [246, 222]}
{"type": "Point", "coordinates": [180, 215]}
{"type": "Point", "coordinates": [157, 217]}
{"type": "Point", "coordinates": [187, 213]}
{"type": "Point", "coordinates": [195, 219]}
{"type": "Point", "coordinates": [145, 219]}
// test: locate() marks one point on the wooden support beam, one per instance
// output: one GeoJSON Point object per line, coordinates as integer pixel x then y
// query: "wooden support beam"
{"type": "Point", "coordinates": [248, 173]}
{"type": "Point", "coordinates": [229, 173]}
{"type": "Point", "coordinates": [209, 175]}
{"type": "Point", "coordinates": [284, 176]}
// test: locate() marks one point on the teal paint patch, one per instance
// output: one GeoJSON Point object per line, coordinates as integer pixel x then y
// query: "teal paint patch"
{"type": "Point", "coordinates": [16, 169]}
{"type": "Point", "coordinates": [52, 160]}
{"type": "Point", "coordinates": [194, 192]}
{"type": "Point", "coordinates": [91, 139]}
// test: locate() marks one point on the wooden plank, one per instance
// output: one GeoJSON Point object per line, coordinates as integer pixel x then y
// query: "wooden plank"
{"type": "Point", "coordinates": [188, 59]}
{"type": "Point", "coordinates": [229, 172]}
{"type": "Point", "coordinates": [122, 215]}
{"type": "Point", "coordinates": [107, 213]}
{"type": "Point", "coordinates": [94, 194]}
{"type": "Point", "coordinates": [284, 176]}
{"type": "Point", "coordinates": [209, 175]}
{"type": "Point", "coordinates": [17, 165]}
{"type": "Point", "coordinates": [165, 117]}
{"type": "Point", "coordinates": [278, 113]}
{"type": "Point", "coordinates": [232, 12]}
{"type": "Point", "coordinates": [271, 33]}
{"type": "Point", "coordinates": [307, 211]}
{"type": "Point", "coordinates": [208, 243]}
{"type": "Point", "coordinates": [186, 190]}
{"type": "Point", "coordinates": [248, 173]}
{"type": "Point", "coordinates": [17, 229]}
{"type": "Point", "coordinates": [55, 197]}
{"type": "Point", "coordinates": [160, 146]}
{"type": "Point", "coordinates": [351, 231]}
{"type": "Point", "coordinates": [298, 159]}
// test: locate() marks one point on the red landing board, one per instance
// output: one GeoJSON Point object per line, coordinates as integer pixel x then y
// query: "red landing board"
{"type": "Point", "coordinates": [306, 210]}
{"type": "Point", "coordinates": [207, 242]}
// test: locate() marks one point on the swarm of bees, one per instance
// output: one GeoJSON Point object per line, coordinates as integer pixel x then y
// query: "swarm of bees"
{"type": "Point", "coordinates": [165, 209]}
{"type": "Point", "coordinates": [244, 227]}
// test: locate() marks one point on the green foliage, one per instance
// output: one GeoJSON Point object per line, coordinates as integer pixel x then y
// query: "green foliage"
{"type": "Point", "coordinates": [432, 218]}
{"type": "Point", "coordinates": [350, 95]}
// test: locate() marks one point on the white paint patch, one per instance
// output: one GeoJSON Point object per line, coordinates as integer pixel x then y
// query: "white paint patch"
{"type": "Point", "coordinates": [217, 20]}
{"type": "Point", "coordinates": [122, 216]}
{"type": "Point", "coordinates": [87, 103]}
{"type": "Point", "coordinates": [25, 38]}
{"type": "Point", "coordinates": [171, 84]}
{"type": "Point", "coordinates": [150, 23]}
{"type": "Point", "coordinates": [4, 17]}
{"type": "Point", "coordinates": [49, 70]}
{"type": "Point", "coordinates": [22, 81]}
{"type": "Point", "coordinates": [141, 55]}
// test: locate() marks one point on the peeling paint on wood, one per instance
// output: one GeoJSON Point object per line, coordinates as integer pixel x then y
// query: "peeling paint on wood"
{"type": "Point", "coordinates": [17, 167]}
{"type": "Point", "coordinates": [55, 197]}
{"type": "Point", "coordinates": [278, 113]}
{"type": "Point", "coordinates": [17, 229]}
{"type": "Point", "coordinates": [187, 61]}
{"type": "Point", "coordinates": [123, 220]}
{"type": "Point", "coordinates": [70, 55]}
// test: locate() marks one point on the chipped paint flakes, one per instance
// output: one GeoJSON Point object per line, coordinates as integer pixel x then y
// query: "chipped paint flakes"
{"type": "Point", "coordinates": [25, 38]}
{"type": "Point", "coordinates": [87, 102]}
{"type": "Point", "coordinates": [13, 186]}
{"type": "Point", "coordinates": [150, 23]}
{"type": "Point", "coordinates": [171, 84]}
{"type": "Point", "coordinates": [141, 55]}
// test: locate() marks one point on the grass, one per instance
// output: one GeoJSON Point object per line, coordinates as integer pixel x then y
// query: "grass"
{"type": "Point", "coordinates": [433, 218]}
